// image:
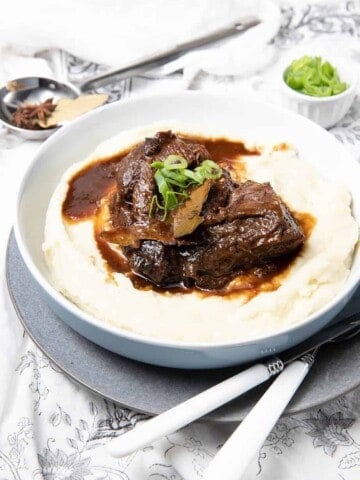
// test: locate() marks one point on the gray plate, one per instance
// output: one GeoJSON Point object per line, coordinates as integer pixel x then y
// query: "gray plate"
{"type": "Point", "coordinates": [150, 389]}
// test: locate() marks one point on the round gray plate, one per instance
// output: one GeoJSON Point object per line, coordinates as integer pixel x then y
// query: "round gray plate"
{"type": "Point", "coordinates": [150, 389]}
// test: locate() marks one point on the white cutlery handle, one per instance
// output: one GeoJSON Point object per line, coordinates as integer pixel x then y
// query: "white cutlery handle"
{"type": "Point", "coordinates": [242, 446]}
{"type": "Point", "coordinates": [188, 411]}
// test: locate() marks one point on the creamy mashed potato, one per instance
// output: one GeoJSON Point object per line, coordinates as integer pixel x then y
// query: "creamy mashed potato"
{"type": "Point", "coordinates": [79, 272]}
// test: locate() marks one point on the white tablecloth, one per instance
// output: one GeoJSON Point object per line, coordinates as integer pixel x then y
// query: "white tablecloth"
{"type": "Point", "coordinates": [50, 427]}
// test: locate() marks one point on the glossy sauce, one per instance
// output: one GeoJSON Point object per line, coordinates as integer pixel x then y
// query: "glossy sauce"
{"type": "Point", "coordinates": [88, 187]}
{"type": "Point", "coordinates": [222, 150]}
{"type": "Point", "coordinates": [228, 154]}
{"type": "Point", "coordinates": [94, 182]}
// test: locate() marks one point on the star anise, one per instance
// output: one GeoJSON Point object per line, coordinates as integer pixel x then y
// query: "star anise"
{"type": "Point", "coordinates": [30, 114]}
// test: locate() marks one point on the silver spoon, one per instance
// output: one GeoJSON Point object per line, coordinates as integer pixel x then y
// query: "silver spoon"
{"type": "Point", "coordinates": [36, 90]}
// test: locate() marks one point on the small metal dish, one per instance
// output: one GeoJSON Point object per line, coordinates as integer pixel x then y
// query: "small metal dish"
{"type": "Point", "coordinates": [31, 90]}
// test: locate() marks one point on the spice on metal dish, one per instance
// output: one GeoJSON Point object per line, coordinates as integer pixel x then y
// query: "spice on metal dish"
{"type": "Point", "coordinates": [29, 115]}
{"type": "Point", "coordinates": [49, 114]}
{"type": "Point", "coordinates": [314, 76]}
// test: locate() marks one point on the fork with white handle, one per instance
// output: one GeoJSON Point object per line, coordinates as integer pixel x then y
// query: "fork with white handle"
{"type": "Point", "coordinates": [194, 408]}
{"type": "Point", "coordinates": [239, 450]}
{"type": "Point", "coordinates": [276, 398]}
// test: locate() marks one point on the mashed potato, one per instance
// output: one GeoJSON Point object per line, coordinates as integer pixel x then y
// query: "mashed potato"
{"type": "Point", "coordinates": [79, 272]}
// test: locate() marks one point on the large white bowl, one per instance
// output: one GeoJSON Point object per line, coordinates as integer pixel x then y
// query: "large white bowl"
{"type": "Point", "coordinates": [231, 113]}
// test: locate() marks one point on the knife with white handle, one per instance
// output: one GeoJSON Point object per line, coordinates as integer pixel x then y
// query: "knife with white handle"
{"type": "Point", "coordinates": [195, 407]}
{"type": "Point", "coordinates": [184, 413]}
{"type": "Point", "coordinates": [242, 446]}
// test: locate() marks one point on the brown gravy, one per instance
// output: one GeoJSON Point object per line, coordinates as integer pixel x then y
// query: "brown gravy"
{"type": "Point", "coordinates": [88, 187]}
{"type": "Point", "coordinates": [91, 184]}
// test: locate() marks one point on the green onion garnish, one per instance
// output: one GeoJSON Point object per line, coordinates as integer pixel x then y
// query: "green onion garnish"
{"type": "Point", "coordinates": [209, 169]}
{"type": "Point", "coordinates": [175, 162]}
{"type": "Point", "coordinates": [173, 178]}
{"type": "Point", "coordinates": [315, 77]}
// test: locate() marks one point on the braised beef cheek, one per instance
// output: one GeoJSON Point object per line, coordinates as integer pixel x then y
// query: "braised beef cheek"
{"type": "Point", "coordinates": [246, 226]}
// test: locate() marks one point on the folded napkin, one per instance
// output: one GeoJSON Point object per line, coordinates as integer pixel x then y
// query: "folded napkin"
{"type": "Point", "coordinates": [118, 32]}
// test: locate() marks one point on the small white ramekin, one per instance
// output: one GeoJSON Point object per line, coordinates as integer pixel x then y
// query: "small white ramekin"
{"type": "Point", "coordinates": [326, 111]}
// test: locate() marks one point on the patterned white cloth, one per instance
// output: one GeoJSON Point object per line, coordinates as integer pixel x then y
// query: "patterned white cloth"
{"type": "Point", "coordinates": [50, 427]}
{"type": "Point", "coordinates": [119, 32]}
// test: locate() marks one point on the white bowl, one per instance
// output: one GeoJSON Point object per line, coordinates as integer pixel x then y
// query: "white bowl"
{"type": "Point", "coordinates": [78, 139]}
{"type": "Point", "coordinates": [325, 111]}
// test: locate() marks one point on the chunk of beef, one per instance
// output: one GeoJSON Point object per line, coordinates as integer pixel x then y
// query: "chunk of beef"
{"type": "Point", "coordinates": [254, 230]}
{"type": "Point", "coordinates": [257, 219]}
{"type": "Point", "coordinates": [155, 261]}
{"type": "Point", "coordinates": [245, 225]}
{"type": "Point", "coordinates": [215, 208]}
{"type": "Point", "coordinates": [166, 143]}
{"type": "Point", "coordinates": [130, 204]}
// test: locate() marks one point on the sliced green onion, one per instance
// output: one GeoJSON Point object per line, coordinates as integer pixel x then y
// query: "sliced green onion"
{"type": "Point", "coordinates": [170, 200]}
{"type": "Point", "coordinates": [196, 177]}
{"type": "Point", "coordinates": [175, 162]}
{"type": "Point", "coordinates": [209, 169]}
{"type": "Point", "coordinates": [177, 176]}
{"type": "Point", "coordinates": [157, 164]}
{"type": "Point", "coordinates": [313, 76]}
{"type": "Point", "coordinates": [154, 202]}
{"type": "Point", "coordinates": [161, 183]}
{"type": "Point", "coordinates": [175, 183]}
{"type": "Point", "coordinates": [172, 179]}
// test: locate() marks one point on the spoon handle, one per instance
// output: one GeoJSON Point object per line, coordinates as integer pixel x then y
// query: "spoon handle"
{"type": "Point", "coordinates": [234, 457]}
{"type": "Point", "coordinates": [161, 58]}
{"type": "Point", "coordinates": [188, 411]}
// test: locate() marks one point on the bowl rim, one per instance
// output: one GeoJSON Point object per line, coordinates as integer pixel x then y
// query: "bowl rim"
{"type": "Point", "coordinates": [76, 311]}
